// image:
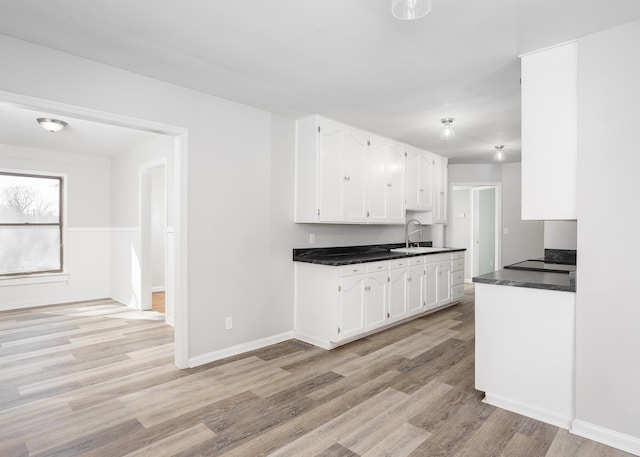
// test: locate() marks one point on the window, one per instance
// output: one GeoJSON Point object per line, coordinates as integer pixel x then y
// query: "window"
{"type": "Point", "coordinates": [30, 224]}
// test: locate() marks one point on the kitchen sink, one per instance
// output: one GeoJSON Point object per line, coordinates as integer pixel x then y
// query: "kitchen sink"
{"type": "Point", "coordinates": [418, 250]}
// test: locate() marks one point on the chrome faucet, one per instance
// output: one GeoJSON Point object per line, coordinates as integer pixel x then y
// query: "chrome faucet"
{"type": "Point", "coordinates": [407, 233]}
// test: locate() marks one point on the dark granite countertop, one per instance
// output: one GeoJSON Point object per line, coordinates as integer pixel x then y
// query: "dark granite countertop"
{"type": "Point", "coordinates": [348, 255]}
{"type": "Point", "coordinates": [531, 279]}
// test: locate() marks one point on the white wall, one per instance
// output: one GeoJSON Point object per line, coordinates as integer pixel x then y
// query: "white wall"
{"type": "Point", "coordinates": [87, 244]}
{"type": "Point", "coordinates": [525, 238]}
{"type": "Point", "coordinates": [607, 307]}
{"type": "Point", "coordinates": [230, 257]}
{"type": "Point", "coordinates": [560, 235]}
{"type": "Point", "coordinates": [158, 227]}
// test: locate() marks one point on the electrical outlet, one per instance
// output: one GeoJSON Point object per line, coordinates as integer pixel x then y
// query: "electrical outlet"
{"type": "Point", "coordinates": [229, 322]}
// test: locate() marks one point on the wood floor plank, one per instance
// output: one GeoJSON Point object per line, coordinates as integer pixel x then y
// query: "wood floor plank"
{"type": "Point", "coordinates": [96, 379]}
{"type": "Point", "coordinates": [175, 443]}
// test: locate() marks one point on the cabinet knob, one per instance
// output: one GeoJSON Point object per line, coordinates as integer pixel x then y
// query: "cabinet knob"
{"type": "Point", "coordinates": [421, 190]}
{"type": "Point", "coordinates": [389, 185]}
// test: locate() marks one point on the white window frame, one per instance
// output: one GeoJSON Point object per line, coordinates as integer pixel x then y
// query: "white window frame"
{"type": "Point", "coordinates": [38, 278]}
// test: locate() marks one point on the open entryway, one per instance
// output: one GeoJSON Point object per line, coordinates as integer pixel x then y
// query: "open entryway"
{"type": "Point", "coordinates": [475, 225]}
{"type": "Point", "coordinates": [124, 204]}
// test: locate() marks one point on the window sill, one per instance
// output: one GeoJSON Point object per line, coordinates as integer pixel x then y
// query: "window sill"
{"type": "Point", "coordinates": [33, 279]}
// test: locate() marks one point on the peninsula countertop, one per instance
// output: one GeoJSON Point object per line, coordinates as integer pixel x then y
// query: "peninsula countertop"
{"type": "Point", "coordinates": [531, 279]}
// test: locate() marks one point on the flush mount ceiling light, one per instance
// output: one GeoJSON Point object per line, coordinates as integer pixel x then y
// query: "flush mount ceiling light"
{"type": "Point", "coordinates": [52, 125]}
{"type": "Point", "coordinates": [499, 155]}
{"type": "Point", "coordinates": [410, 9]}
{"type": "Point", "coordinates": [447, 131]}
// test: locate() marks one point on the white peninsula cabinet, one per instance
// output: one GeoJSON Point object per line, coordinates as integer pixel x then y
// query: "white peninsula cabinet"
{"type": "Point", "coordinates": [337, 304]}
{"type": "Point", "coordinates": [550, 133]}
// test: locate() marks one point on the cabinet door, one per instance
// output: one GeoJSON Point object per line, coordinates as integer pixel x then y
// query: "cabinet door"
{"type": "Point", "coordinates": [376, 300]}
{"type": "Point", "coordinates": [352, 295]}
{"type": "Point", "coordinates": [550, 133]}
{"type": "Point", "coordinates": [440, 197]}
{"type": "Point", "coordinates": [332, 173]}
{"type": "Point", "coordinates": [431, 285]}
{"type": "Point", "coordinates": [412, 178]}
{"type": "Point", "coordinates": [444, 283]}
{"type": "Point", "coordinates": [376, 177]}
{"type": "Point", "coordinates": [395, 184]}
{"type": "Point", "coordinates": [415, 289]}
{"type": "Point", "coordinates": [427, 182]}
{"type": "Point", "coordinates": [397, 294]}
{"type": "Point", "coordinates": [357, 147]}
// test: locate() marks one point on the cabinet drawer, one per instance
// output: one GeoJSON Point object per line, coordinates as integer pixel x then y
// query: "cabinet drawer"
{"type": "Point", "coordinates": [457, 255]}
{"type": "Point", "coordinates": [457, 277]}
{"type": "Point", "coordinates": [416, 260]}
{"type": "Point", "coordinates": [354, 269]}
{"type": "Point", "coordinates": [457, 265]}
{"type": "Point", "coordinates": [457, 292]}
{"type": "Point", "coordinates": [372, 267]}
{"type": "Point", "coordinates": [398, 263]}
{"type": "Point", "coordinates": [432, 258]}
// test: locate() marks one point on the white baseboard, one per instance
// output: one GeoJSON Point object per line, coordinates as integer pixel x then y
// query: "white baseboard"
{"type": "Point", "coordinates": [313, 340]}
{"type": "Point", "coordinates": [606, 436]}
{"type": "Point", "coordinates": [238, 349]}
{"type": "Point", "coordinates": [527, 410]}
{"type": "Point", "coordinates": [37, 303]}
{"type": "Point", "coordinates": [122, 299]}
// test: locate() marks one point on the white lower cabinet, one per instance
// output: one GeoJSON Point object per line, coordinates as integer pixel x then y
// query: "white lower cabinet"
{"type": "Point", "coordinates": [397, 294]}
{"type": "Point", "coordinates": [334, 305]}
{"type": "Point", "coordinates": [415, 289]}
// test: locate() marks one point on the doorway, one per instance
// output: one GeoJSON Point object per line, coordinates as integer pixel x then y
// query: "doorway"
{"type": "Point", "coordinates": [176, 244]}
{"type": "Point", "coordinates": [475, 225]}
{"type": "Point", "coordinates": [156, 285]}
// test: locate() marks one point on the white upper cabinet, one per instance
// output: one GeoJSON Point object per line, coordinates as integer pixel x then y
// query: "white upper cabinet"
{"type": "Point", "coordinates": [549, 133]}
{"type": "Point", "coordinates": [440, 190]}
{"type": "Point", "coordinates": [346, 175]}
{"type": "Point", "coordinates": [386, 181]}
{"type": "Point", "coordinates": [419, 179]}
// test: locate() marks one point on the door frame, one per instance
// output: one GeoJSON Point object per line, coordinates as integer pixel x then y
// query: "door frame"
{"type": "Point", "coordinates": [181, 155]}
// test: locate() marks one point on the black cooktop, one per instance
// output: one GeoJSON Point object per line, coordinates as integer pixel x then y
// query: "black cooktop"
{"type": "Point", "coordinates": [540, 265]}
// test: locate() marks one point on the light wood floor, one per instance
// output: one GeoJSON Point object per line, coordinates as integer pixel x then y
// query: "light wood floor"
{"type": "Point", "coordinates": [96, 379]}
{"type": "Point", "coordinates": [157, 302]}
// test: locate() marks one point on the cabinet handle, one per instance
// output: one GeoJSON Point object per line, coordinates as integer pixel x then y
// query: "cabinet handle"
{"type": "Point", "coordinates": [388, 315]}
{"type": "Point", "coordinates": [409, 279]}
{"type": "Point", "coordinates": [421, 190]}
{"type": "Point", "coordinates": [389, 185]}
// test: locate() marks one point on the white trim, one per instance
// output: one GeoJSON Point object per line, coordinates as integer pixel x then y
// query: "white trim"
{"type": "Point", "coordinates": [125, 229]}
{"type": "Point", "coordinates": [124, 300]}
{"type": "Point", "coordinates": [90, 229]}
{"type": "Point", "coordinates": [45, 302]}
{"type": "Point", "coordinates": [557, 45]}
{"type": "Point", "coordinates": [606, 436]}
{"type": "Point", "coordinates": [158, 289]}
{"type": "Point", "coordinates": [181, 152]}
{"type": "Point", "coordinates": [33, 278]}
{"type": "Point", "coordinates": [528, 410]}
{"type": "Point", "coordinates": [238, 349]}
{"type": "Point", "coordinates": [315, 341]}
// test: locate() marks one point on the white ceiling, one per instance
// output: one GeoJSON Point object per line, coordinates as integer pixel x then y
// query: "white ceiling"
{"type": "Point", "coordinates": [346, 59]}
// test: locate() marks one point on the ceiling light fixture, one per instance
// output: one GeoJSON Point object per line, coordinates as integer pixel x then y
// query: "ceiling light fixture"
{"type": "Point", "coordinates": [447, 131]}
{"type": "Point", "coordinates": [410, 9]}
{"type": "Point", "coordinates": [499, 155]}
{"type": "Point", "coordinates": [52, 125]}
